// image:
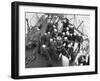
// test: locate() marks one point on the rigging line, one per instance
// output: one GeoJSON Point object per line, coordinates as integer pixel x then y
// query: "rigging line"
{"type": "Point", "coordinates": [80, 24]}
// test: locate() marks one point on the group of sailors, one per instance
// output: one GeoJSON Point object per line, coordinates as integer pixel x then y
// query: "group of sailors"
{"type": "Point", "coordinates": [61, 42]}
